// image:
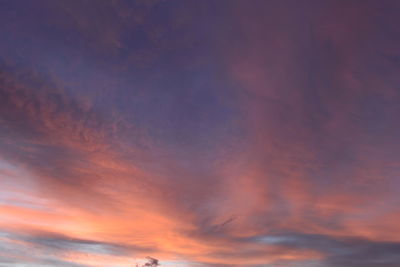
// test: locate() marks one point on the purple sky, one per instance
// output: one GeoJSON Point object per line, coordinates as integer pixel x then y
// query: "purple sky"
{"type": "Point", "coordinates": [260, 133]}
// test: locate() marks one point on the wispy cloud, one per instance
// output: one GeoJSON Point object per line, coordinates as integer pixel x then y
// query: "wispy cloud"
{"type": "Point", "coordinates": [201, 133]}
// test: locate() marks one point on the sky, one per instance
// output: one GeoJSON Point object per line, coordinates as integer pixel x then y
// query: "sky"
{"type": "Point", "coordinates": [229, 133]}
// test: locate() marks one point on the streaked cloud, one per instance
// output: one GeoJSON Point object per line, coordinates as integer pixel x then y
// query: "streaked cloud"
{"type": "Point", "coordinates": [200, 133]}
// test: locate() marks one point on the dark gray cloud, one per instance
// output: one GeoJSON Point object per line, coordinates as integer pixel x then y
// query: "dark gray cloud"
{"type": "Point", "coordinates": [341, 251]}
{"type": "Point", "coordinates": [45, 248]}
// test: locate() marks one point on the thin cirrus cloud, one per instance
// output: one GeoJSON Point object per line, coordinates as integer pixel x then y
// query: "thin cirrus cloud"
{"type": "Point", "coordinates": [200, 133]}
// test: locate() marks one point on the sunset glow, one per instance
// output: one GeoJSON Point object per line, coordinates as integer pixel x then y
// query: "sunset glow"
{"type": "Point", "coordinates": [259, 133]}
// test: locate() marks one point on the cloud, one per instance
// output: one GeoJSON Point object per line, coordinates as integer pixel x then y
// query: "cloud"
{"type": "Point", "coordinates": [342, 251]}
{"type": "Point", "coordinates": [201, 134]}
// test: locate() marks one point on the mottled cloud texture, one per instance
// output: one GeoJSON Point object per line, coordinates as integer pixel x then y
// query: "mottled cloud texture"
{"type": "Point", "coordinates": [201, 133]}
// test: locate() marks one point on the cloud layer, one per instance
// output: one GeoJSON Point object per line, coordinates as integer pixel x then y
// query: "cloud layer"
{"type": "Point", "coordinates": [201, 133]}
